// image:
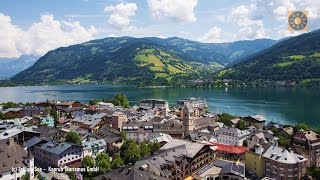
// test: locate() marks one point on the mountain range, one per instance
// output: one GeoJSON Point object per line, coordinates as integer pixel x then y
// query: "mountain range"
{"type": "Point", "coordinates": [295, 60]}
{"type": "Point", "coordinates": [12, 66]}
{"type": "Point", "coordinates": [142, 61]}
{"type": "Point", "coordinates": [176, 61]}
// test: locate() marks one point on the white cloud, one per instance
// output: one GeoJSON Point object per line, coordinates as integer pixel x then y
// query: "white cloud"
{"type": "Point", "coordinates": [8, 34]}
{"type": "Point", "coordinates": [212, 36]}
{"type": "Point", "coordinates": [120, 14]}
{"type": "Point", "coordinates": [40, 37]}
{"type": "Point", "coordinates": [179, 10]}
{"type": "Point", "coordinates": [249, 27]}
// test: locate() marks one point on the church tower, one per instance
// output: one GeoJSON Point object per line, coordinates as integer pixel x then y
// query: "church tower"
{"type": "Point", "coordinates": [188, 117]}
{"type": "Point", "coordinates": [30, 160]}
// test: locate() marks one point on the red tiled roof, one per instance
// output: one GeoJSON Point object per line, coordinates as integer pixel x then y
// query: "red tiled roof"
{"type": "Point", "coordinates": [231, 149]}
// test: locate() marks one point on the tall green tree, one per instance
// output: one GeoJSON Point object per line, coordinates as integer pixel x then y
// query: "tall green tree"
{"type": "Point", "coordinates": [129, 151]}
{"type": "Point", "coordinates": [123, 135]}
{"type": "Point", "coordinates": [144, 149]}
{"type": "Point", "coordinates": [73, 137]}
{"type": "Point", "coordinates": [102, 156]}
{"type": "Point", "coordinates": [154, 146]}
{"type": "Point", "coordinates": [124, 102]}
{"type": "Point", "coordinates": [87, 162]}
{"type": "Point", "coordinates": [116, 161]}
{"type": "Point", "coordinates": [9, 105]}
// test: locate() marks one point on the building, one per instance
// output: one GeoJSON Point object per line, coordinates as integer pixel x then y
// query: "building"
{"type": "Point", "coordinates": [172, 127]}
{"type": "Point", "coordinates": [129, 173]}
{"type": "Point", "coordinates": [230, 152]}
{"type": "Point", "coordinates": [231, 136]}
{"type": "Point", "coordinates": [178, 159]}
{"type": "Point", "coordinates": [92, 123]}
{"type": "Point", "coordinates": [111, 137]}
{"type": "Point", "coordinates": [256, 121]}
{"type": "Point", "coordinates": [118, 118]}
{"type": "Point", "coordinates": [161, 105]}
{"type": "Point", "coordinates": [47, 121]}
{"type": "Point", "coordinates": [49, 153]}
{"type": "Point", "coordinates": [15, 161]}
{"type": "Point", "coordinates": [65, 104]}
{"type": "Point", "coordinates": [94, 147]}
{"type": "Point", "coordinates": [51, 133]}
{"type": "Point", "coordinates": [195, 102]}
{"type": "Point", "coordinates": [160, 137]}
{"type": "Point", "coordinates": [104, 105]}
{"type": "Point", "coordinates": [255, 162]}
{"type": "Point", "coordinates": [138, 130]}
{"type": "Point", "coordinates": [262, 138]}
{"type": "Point", "coordinates": [286, 132]}
{"type": "Point", "coordinates": [222, 169]}
{"type": "Point", "coordinates": [283, 163]}
{"type": "Point", "coordinates": [12, 113]}
{"type": "Point", "coordinates": [32, 111]}
{"type": "Point", "coordinates": [19, 134]}
{"type": "Point", "coordinates": [307, 143]}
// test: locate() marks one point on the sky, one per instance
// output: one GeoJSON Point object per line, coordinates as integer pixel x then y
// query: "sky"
{"type": "Point", "coordinates": [34, 27]}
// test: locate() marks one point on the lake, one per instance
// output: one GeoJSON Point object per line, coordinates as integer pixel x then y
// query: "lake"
{"type": "Point", "coordinates": [286, 105]}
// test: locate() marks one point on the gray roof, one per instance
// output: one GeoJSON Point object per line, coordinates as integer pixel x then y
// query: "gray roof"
{"type": "Point", "coordinates": [89, 144]}
{"type": "Point", "coordinates": [34, 141]}
{"type": "Point", "coordinates": [229, 167]}
{"type": "Point", "coordinates": [11, 110]}
{"type": "Point", "coordinates": [125, 173]}
{"type": "Point", "coordinates": [109, 135]}
{"type": "Point", "coordinates": [11, 155]}
{"type": "Point", "coordinates": [231, 131]}
{"type": "Point", "coordinates": [57, 148]}
{"type": "Point", "coordinates": [282, 155]}
{"type": "Point", "coordinates": [192, 148]}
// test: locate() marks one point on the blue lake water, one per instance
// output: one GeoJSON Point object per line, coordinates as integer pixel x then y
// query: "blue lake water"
{"type": "Point", "coordinates": [286, 105]}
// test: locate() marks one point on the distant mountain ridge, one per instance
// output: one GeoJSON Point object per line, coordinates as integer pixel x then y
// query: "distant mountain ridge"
{"type": "Point", "coordinates": [143, 61]}
{"type": "Point", "coordinates": [294, 60]}
{"type": "Point", "coordinates": [12, 66]}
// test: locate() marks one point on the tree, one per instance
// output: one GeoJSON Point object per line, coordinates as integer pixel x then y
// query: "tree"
{"type": "Point", "coordinates": [302, 126]}
{"type": "Point", "coordinates": [123, 135]}
{"type": "Point", "coordinates": [129, 151]}
{"type": "Point", "coordinates": [124, 102]}
{"type": "Point", "coordinates": [2, 116]}
{"type": "Point", "coordinates": [242, 125]}
{"type": "Point", "coordinates": [102, 156]}
{"type": "Point", "coordinates": [104, 165]}
{"type": "Point", "coordinates": [314, 172]}
{"type": "Point", "coordinates": [87, 161]}
{"type": "Point", "coordinates": [71, 175]}
{"type": "Point", "coordinates": [116, 161]}
{"type": "Point", "coordinates": [154, 146]}
{"type": "Point", "coordinates": [144, 149]}
{"type": "Point", "coordinates": [225, 119]}
{"type": "Point", "coordinates": [9, 105]}
{"type": "Point", "coordinates": [73, 137]}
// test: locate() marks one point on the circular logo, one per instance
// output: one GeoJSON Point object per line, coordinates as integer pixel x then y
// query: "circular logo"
{"type": "Point", "coordinates": [298, 20]}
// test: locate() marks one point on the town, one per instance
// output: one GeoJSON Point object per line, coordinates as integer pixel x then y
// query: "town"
{"type": "Point", "coordinates": [109, 139]}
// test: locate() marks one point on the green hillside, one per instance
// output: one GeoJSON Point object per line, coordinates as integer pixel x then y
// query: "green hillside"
{"type": "Point", "coordinates": [293, 61]}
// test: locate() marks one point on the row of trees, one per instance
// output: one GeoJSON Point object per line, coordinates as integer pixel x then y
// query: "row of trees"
{"type": "Point", "coordinates": [118, 100]}
{"type": "Point", "coordinates": [130, 152]}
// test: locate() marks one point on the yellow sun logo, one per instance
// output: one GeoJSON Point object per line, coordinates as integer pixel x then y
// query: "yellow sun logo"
{"type": "Point", "coordinates": [298, 21]}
